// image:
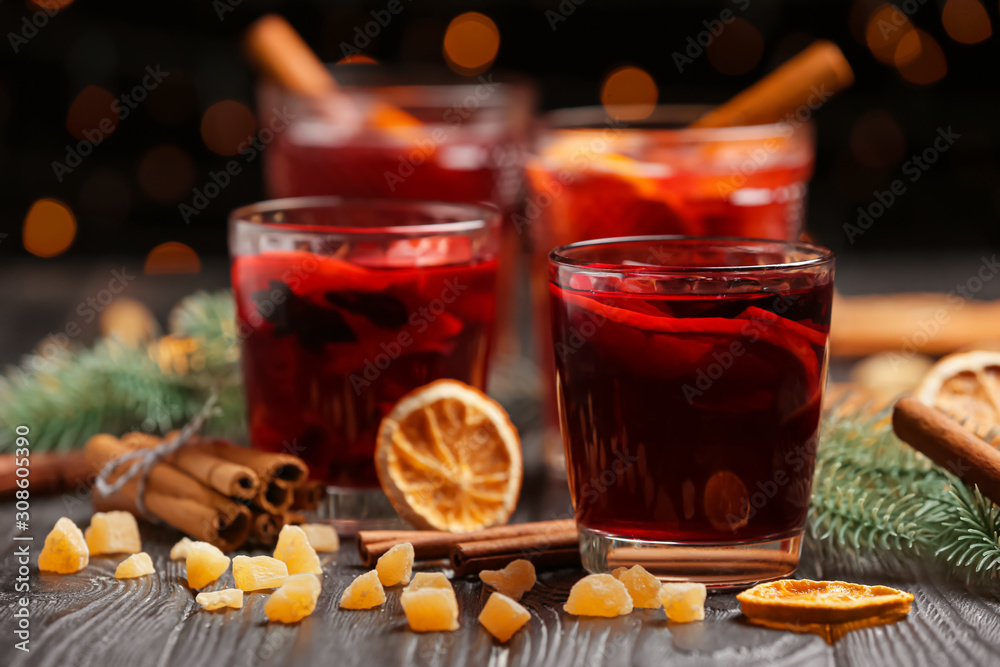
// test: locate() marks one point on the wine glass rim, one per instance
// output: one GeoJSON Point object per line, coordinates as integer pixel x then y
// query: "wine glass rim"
{"type": "Point", "coordinates": [597, 118]}
{"type": "Point", "coordinates": [480, 216]}
{"type": "Point", "coordinates": [820, 255]}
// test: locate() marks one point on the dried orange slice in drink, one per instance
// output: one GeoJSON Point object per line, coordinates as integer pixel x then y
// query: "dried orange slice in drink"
{"type": "Point", "coordinates": [965, 385]}
{"type": "Point", "coordinates": [727, 502]}
{"type": "Point", "coordinates": [803, 601]}
{"type": "Point", "coordinates": [448, 458]}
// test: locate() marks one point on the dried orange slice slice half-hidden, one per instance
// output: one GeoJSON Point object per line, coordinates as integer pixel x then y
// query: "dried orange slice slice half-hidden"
{"type": "Point", "coordinates": [965, 385]}
{"type": "Point", "coordinates": [449, 458]}
{"type": "Point", "coordinates": [805, 601]}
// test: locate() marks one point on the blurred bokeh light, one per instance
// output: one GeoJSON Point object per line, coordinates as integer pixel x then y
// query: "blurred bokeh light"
{"type": "Point", "coordinates": [966, 21]}
{"type": "Point", "coordinates": [172, 257]}
{"type": "Point", "coordinates": [225, 125]}
{"type": "Point", "coordinates": [629, 93]}
{"type": "Point", "coordinates": [92, 115]}
{"type": "Point", "coordinates": [166, 173]}
{"type": "Point", "coordinates": [49, 228]}
{"type": "Point", "coordinates": [738, 49]}
{"type": "Point", "coordinates": [920, 60]}
{"type": "Point", "coordinates": [886, 27]}
{"type": "Point", "coordinates": [471, 43]}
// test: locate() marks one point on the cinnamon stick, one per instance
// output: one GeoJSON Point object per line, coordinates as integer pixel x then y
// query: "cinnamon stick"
{"type": "Point", "coordinates": [267, 465]}
{"type": "Point", "coordinates": [47, 473]}
{"type": "Point", "coordinates": [308, 495]}
{"type": "Point", "coordinates": [265, 528]}
{"type": "Point", "coordinates": [816, 73]}
{"type": "Point", "coordinates": [948, 444]}
{"type": "Point", "coordinates": [524, 546]}
{"type": "Point", "coordinates": [227, 477]}
{"type": "Point", "coordinates": [174, 497]}
{"type": "Point", "coordinates": [274, 45]}
{"type": "Point", "coordinates": [543, 560]}
{"type": "Point", "coordinates": [428, 545]}
{"type": "Point", "coordinates": [274, 498]}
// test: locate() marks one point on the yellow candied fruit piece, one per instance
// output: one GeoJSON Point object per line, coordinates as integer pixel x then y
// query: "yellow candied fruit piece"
{"type": "Point", "coordinates": [136, 565]}
{"type": "Point", "coordinates": [294, 550]}
{"type": "Point", "coordinates": [229, 597]}
{"type": "Point", "coordinates": [205, 564]}
{"type": "Point", "coordinates": [618, 572]}
{"type": "Point", "coordinates": [599, 595]}
{"type": "Point", "coordinates": [683, 602]}
{"type": "Point", "coordinates": [65, 549]}
{"type": "Point", "coordinates": [396, 565]}
{"type": "Point", "coordinates": [113, 533]}
{"type": "Point", "coordinates": [295, 599]}
{"type": "Point", "coordinates": [643, 587]}
{"type": "Point", "coordinates": [502, 617]}
{"type": "Point", "coordinates": [430, 609]}
{"type": "Point", "coordinates": [513, 581]}
{"type": "Point", "coordinates": [258, 573]}
{"type": "Point", "coordinates": [428, 580]}
{"type": "Point", "coordinates": [364, 592]}
{"type": "Point", "coordinates": [321, 536]}
{"type": "Point", "coordinates": [180, 550]}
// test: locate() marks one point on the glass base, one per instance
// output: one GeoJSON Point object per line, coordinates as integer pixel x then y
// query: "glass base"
{"type": "Point", "coordinates": [351, 510]}
{"type": "Point", "coordinates": [718, 566]}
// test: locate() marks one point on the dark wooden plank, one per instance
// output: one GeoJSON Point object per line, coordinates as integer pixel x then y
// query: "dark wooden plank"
{"type": "Point", "coordinates": [92, 620]}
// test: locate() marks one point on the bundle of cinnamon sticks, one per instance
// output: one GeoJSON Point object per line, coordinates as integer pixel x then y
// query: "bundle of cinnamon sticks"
{"type": "Point", "coordinates": [547, 544]}
{"type": "Point", "coordinates": [211, 490]}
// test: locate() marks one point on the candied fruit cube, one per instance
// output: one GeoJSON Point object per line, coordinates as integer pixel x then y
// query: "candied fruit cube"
{"type": "Point", "coordinates": [513, 581]}
{"type": "Point", "coordinates": [180, 550]}
{"type": "Point", "coordinates": [683, 602]}
{"type": "Point", "coordinates": [502, 617]}
{"type": "Point", "coordinates": [65, 549]}
{"type": "Point", "coordinates": [229, 597]}
{"type": "Point", "coordinates": [430, 609]}
{"type": "Point", "coordinates": [396, 565]}
{"type": "Point", "coordinates": [294, 550]}
{"type": "Point", "coordinates": [205, 564]}
{"type": "Point", "coordinates": [113, 533]}
{"type": "Point", "coordinates": [295, 599]}
{"type": "Point", "coordinates": [618, 572]}
{"type": "Point", "coordinates": [599, 595]}
{"type": "Point", "coordinates": [364, 592]}
{"type": "Point", "coordinates": [258, 573]}
{"type": "Point", "coordinates": [428, 580]}
{"type": "Point", "coordinates": [136, 565]}
{"type": "Point", "coordinates": [321, 536]}
{"type": "Point", "coordinates": [643, 587]}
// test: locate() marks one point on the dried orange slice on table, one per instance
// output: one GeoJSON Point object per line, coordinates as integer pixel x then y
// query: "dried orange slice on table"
{"type": "Point", "coordinates": [449, 458]}
{"type": "Point", "coordinates": [827, 608]}
{"type": "Point", "coordinates": [965, 385]}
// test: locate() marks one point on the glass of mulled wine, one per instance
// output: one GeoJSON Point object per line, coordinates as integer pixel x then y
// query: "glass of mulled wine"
{"type": "Point", "coordinates": [690, 375]}
{"type": "Point", "coordinates": [345, 305]}
{"type": "Point", "coordinates": [593, 176]}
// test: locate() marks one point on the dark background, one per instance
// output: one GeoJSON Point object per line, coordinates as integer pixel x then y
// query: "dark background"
{"type": "Point", "coordinates": [125, 195]}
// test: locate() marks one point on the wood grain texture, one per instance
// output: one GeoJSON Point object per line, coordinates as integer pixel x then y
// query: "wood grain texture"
{"type": "Point", "coordinates": [92, 620]}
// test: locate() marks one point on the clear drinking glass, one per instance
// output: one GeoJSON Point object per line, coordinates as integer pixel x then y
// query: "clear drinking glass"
{"type": "Point", "coordinates": [345, 305]}
{"type": "Point", "coordinates": [690, 376]}
{"type": "Point", "coordinates": [595, 177]}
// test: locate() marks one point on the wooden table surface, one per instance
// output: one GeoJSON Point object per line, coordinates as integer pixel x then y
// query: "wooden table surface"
{"type": "Point", "coordinates": [90, 619]}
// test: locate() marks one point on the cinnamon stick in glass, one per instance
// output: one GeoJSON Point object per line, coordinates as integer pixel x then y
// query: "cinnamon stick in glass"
{"type": "Point", "coordinates": [804, 82]}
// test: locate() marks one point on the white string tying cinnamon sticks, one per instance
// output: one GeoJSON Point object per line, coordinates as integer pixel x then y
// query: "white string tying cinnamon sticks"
{"type": "Point", "coordinates": [147, 458]}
